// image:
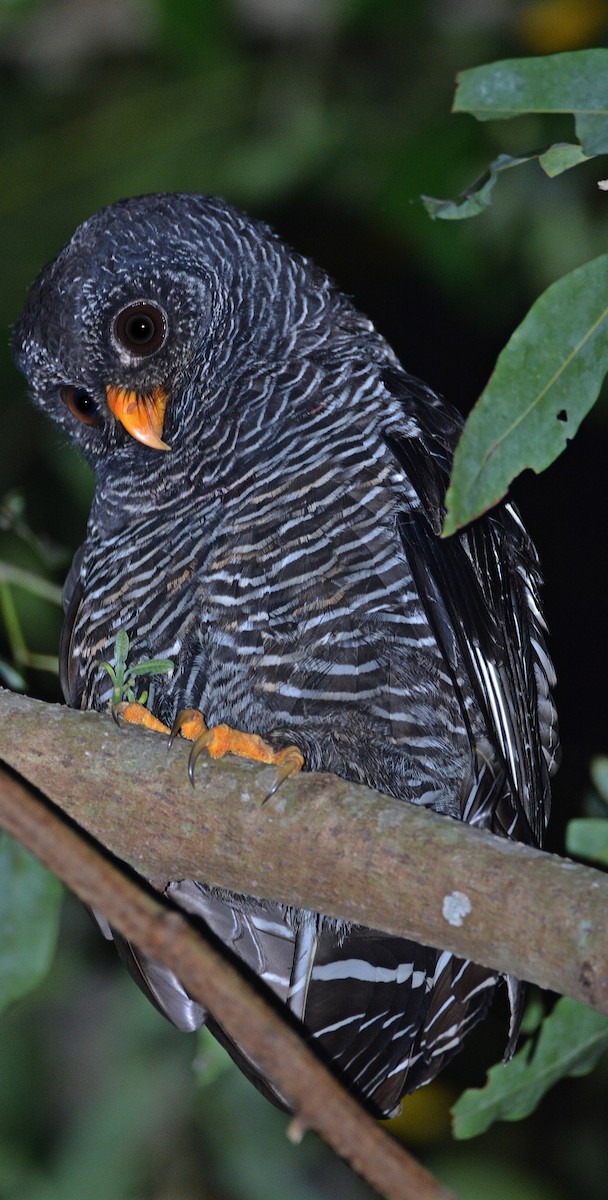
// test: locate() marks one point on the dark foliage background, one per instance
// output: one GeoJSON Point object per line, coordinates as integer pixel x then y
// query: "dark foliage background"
{"type": "Point", "coordinates": [328, 118]}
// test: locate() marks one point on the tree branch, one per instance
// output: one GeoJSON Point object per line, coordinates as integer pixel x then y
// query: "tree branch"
{"type": "Point", "coordinates": [160, 931]}
{"type": "Point", "coordinates": [321, 843]}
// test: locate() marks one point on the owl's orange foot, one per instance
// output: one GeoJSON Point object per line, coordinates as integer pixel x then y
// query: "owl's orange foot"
{"type": "Point", "coordinates": [137, 714]}
{"type": "Point", "coordinates": [221, 739]}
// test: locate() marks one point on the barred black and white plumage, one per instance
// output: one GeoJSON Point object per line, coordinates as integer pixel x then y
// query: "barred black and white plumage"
{"type": "Point", "coordinates": [285, 554]}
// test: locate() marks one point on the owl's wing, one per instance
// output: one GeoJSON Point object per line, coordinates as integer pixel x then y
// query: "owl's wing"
{"type": "Point", "coordinates": [479, 590]}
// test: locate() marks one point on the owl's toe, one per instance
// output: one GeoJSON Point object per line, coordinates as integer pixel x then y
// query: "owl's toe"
{"type": "Point", "coordinates": [189, 723]}
{"type": "Point", "coordinates": [137, 714]}
{"type": "Point", "coordinates": [219, 740]}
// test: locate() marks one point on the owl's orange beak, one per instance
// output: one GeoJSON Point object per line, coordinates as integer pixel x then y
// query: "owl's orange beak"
{"type": "Point", "coordinates": [142, 416]}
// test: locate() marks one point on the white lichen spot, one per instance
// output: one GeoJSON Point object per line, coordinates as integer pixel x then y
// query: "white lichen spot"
{"type": "Point", "coordinates": [456, 906]}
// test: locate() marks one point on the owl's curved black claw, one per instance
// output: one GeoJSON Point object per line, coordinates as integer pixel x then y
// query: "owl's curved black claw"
{"type": "Point", "coordinates": [290, 762]}
{"type": "Point", "coordinates": [202, 743]}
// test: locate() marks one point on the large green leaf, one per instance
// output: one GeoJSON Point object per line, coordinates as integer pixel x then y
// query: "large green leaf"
{"type": "Point", "coordinates": [574, 82]}
{"type": "Point", "coordinates": [30, 899]}
{"type": "Point", "coordinates": [571, 1041]}
{"type": "Point", "coordinates": [545, 381]}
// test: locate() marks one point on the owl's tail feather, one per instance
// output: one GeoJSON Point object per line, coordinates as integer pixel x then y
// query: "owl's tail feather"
{"type": "Point", "coordinates": [384, 1013]}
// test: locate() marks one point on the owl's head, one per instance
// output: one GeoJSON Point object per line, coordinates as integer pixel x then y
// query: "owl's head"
{"type": "Point", "coordinates": [131, 336]}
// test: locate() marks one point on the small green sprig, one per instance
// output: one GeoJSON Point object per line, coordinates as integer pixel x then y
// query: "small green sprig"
{"type": "Point", "coordinates": [123, 677]}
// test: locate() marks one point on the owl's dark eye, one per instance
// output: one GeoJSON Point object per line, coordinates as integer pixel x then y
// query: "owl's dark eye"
{"type": "Point", "coordinates": [82, 405]}
{"type": "Point", "coordinates": [141, 328]}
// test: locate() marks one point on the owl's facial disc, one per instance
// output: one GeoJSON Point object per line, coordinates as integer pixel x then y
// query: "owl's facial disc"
{"type": "Point", "coordinates": [141, 415]}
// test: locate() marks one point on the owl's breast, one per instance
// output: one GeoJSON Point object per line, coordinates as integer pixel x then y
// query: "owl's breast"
{"type": "Point", "coordinates": [147, 581]}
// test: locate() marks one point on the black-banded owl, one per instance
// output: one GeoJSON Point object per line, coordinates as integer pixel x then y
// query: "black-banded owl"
{"type": "Point", "coordinates": [267, 516]}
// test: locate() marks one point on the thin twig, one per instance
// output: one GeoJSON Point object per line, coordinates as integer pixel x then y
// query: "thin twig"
{"type": "Point", "coordinates": [317, 1100]}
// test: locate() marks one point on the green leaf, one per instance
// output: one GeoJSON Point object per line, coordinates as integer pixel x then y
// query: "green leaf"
{"type": "Point", "coordinates": [122, 676]}
{"type": "Point", "coordinates": [587, 837]}
{"type": "Point", "coordinates": [12, 678]}
{"type": "Point", "coordinates": [574, 82]}
{"type": "Point", "coordinates": [545, 381]}
{"type": "Point", "coordinates": [534, 1012]}
{"type": "Point", "coordinates": [30, 899]}
{"type": "Point", "coordinates": [592, 132]}
{"type": "Point", "coordinates": [554, 160]}
{"type": "Point", "coordinates": [599, 775]}
{"type": "Point", "coordinates": [153, 666]}
{"type": "Point", "coordinates": [571, 1041]}
{"type": "Point", "coordinates": [561, 157]}
{"type": "Point", "coordinates": [477, 197]}
{"type": "Point", "coordinates": [121, 647]}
